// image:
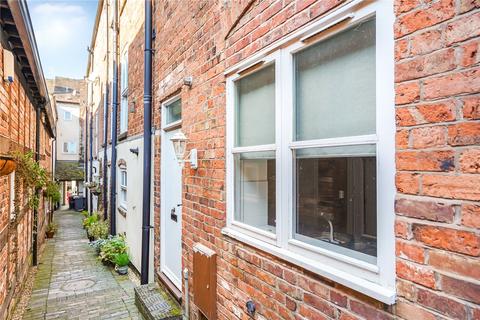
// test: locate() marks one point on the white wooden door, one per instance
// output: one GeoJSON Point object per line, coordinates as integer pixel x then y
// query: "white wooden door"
{"type": "Point", "coordinates": [171, 212]}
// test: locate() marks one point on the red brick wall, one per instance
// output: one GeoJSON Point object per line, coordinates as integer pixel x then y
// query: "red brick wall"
{"type": "Point", "coordinates": [17, 132]}
{"type": "Point", "coordinates": [438, 107]}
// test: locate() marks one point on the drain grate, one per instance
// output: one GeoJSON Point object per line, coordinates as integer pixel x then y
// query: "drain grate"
{"type": "Point", "coordinates": [78, 285]}
{"type": "Point", "coordinates": [156, 304]}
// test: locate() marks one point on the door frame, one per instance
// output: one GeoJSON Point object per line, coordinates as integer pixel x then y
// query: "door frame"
{"type": "Point", "coordinates": [166, 128]}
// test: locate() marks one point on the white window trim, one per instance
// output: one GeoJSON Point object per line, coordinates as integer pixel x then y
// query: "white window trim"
{"type": "Point", "coordinates": [165, 105]}
{"type": "Point", "coordinates": [123, 187]}
{"type": "Point", "coordinates": [124, 94]}
{"type": "Point", "coordinates": [375, 280]}
{"type": "Point", "coordinates": [12, 195]}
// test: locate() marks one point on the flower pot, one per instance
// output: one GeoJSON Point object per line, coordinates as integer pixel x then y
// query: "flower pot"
{"type": "Point", "coordinates": [50, 234]}
{"type": "Point", "coordinates": [121, 270]}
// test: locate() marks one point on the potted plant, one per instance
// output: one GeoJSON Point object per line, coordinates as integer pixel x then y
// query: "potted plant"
{"type": "Point", "coordinates": [121, 263]}
{"type": "Point", "coordinates": [111, 247]}
{"type": "Point", "coordinates": [52, 227]}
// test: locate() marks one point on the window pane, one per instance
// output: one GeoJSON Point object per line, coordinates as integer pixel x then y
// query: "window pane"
{"type": "Point", "coordinates": [255, 108]}
{"type": "Point", "coordinates": [336, 199]}
{"type": "Point", "coordinates": [255, 189]}
{"type": "Point", "coordinates": [174, 111]}
{"type": "Point", "coordinates": [123, 114]}
{"type": "Point", "coordinates": [335, 85]}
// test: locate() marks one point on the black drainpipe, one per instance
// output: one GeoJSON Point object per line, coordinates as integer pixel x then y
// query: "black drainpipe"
{"type": "Point", "coordinates": [91, 161]}
{"type": "Point", "coordinates": [147, 141]}
{"type": "Point", "coordinates": [37, 191]}
{"type": "Point", "coordinates": [105, 159]}
{"type": "Point", "coordinates": [86, 157]}
{"type": "Point", "coordinates": [113, 165]}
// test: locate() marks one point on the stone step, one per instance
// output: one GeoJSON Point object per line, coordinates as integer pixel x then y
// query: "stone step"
{"type": "Point", "coordinates": [155, 303]}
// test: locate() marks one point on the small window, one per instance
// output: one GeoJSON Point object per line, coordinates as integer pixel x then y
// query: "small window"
{"type": "Point", "coordinates": [123, 188]}
{"type": "Point", "coordinates": [173, 111]}
{"type": "Point", "coordinates": [124, 94]}
{"type": "Point", "coordinates": [67, 115]}
{"type": "Point", "coordinates": [69, 147]}
{"type": "Point", "coordinates": [12, 195]}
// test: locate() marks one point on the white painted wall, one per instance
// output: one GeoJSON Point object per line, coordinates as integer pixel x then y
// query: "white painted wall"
{"type": "Point", "coordinates": [68, 130]}
{"type": "Point", "coordinates": [131, 224]}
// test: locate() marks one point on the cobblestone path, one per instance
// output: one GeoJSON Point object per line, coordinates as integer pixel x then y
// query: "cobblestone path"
{"type": "Point", "coordinates": [72, 284]}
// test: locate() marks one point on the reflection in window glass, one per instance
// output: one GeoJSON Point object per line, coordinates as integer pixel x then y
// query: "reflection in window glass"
{"type": "Point", "coordinates": [255, 189]}
{"type": "Point", "coordinates": [174, 111]}
{"type": "Point", "coordinates": [255, 108]}
{"type": "Point", "coordinates": [336, 199]}
{"type": "Point", "coordinates": [335, 85]}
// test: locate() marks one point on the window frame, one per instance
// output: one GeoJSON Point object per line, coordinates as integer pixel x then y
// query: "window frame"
{"type": "Point", "coordinates": [376, 280]}
{"type": "Point", "coordinates": [165, 105]}
{"type": "Point", "coordinates": [124, 93]}
{"type": "Point", "coordinates": [123, 188]}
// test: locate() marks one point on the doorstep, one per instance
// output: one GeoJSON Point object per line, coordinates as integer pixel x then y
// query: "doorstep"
{"type": "Point", "coordinates": [155, 303]}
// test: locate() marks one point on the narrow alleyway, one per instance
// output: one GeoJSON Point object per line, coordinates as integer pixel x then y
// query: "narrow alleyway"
{"type": "Point", "coordinates": [72, 284]}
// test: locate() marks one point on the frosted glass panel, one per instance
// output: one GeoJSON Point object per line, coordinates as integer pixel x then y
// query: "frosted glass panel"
{"type": "Point", "coordinates": [255, 108]}
{"type": "Point", "coordinates": [255, 189]}
{"type": "Point", "coordinates": [335, 85]}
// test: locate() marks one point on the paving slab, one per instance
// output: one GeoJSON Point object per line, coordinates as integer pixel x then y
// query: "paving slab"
{"type": "Point", "coordinates": [71, 283]}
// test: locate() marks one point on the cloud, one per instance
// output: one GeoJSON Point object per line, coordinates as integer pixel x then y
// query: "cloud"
{"type": "Point", "coordinates": [62, 31]}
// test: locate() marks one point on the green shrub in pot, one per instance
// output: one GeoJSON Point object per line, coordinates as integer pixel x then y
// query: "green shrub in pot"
{"type": "Point", "coordinates": [121, 263]}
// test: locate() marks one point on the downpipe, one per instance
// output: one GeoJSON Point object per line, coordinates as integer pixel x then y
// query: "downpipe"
{"type": "Point", "coordinates": [147, 143]}
{"type": "Point", "coordinates": [186, 314]}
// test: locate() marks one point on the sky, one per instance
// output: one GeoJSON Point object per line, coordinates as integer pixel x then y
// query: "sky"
{"type": "Point", "coordinates": [63, 32]}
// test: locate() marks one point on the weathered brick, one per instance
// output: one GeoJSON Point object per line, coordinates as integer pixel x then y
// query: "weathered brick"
{"type": "Point", "coordinates": [410, 252]}
{"type": "Point", "coordinates": [442, 86]}
{"type": "Point", "coordinates": [452, 263]}
{"type": "Point", "coordinates": [415, 273]}
{"type": "Point", "coordinates": [447, 239]}
{"type": "Point", "coordinates": [423, 66]}
{"type": "Point", "coordinates": [463, 28]}
{"type": "Point", "coordinates": [470, 53]}
{"type": "Point", "coordinates": [471, 108]}
{"type": "Point", "coordinates": [426, 42]}
{"type": "Point", "coordinates": [429, 210]}
{"type": "Point", "coordinates": [466, 133]}
{"type": "Point", "coordinates": [409, 311]}
{"type": "Point", "coordinates": [465, 290]}
{"type": "Point", "coordinates": [428, 137]}
{"type": "Point", "coordinates": [471, 215]}
{"type": "Point", "coordinates": [465, 187]}
{"type": "Point", "coordinates": [407, 183]}
{"type": "Point", "coordinates": [441, 304]}
{"type": "Point", "coordinates": [407, 93]}
{"type": "Point", "coordinates": [421, 18]}
{"type": "Point", "coordinates": [470, 161]}
{"type": "Point", "coordinates": [425, 160]}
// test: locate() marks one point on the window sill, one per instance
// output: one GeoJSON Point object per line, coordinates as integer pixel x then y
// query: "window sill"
{"type": "Point", "coordinates": [122, 136]}
{"type": "Point", "coordinates": [371, 289]}
{"type": "Point", "coordinates": [122, 211]}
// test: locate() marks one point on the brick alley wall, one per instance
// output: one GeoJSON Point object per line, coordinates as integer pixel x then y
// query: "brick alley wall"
{"type": "Point", "coordinates": [437, 209]}
{"type": "Point", "coordinates": [17, 133]}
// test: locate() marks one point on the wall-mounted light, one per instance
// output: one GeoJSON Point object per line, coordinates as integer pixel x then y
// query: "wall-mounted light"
{"type": "Point", "coordinates": [188, 81]}
{"type": "Point", "coordinates": [179, 141]}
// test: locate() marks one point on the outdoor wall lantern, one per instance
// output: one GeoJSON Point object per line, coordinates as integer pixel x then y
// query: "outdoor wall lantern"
{"type": "Point", "coordinates": [180, 145]}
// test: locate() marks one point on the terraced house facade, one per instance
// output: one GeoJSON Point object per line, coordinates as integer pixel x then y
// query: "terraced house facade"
{"type": "Point", "coordinates": [309, 159]}
{"type": "Point", "coordinates": [27, 126]}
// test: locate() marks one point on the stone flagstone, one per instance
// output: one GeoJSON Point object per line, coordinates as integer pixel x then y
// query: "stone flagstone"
{"type": "Point", "coordinates": [72, 284]}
